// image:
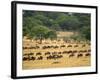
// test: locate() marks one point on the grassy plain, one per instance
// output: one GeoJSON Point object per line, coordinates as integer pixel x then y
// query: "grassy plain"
{"type": "Point", "coordinates": [65, 61]}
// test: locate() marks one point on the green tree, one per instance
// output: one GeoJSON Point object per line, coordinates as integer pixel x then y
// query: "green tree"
{"type": "Point", "coordinates": [41, 32]}
{"type": "Point", "coordinates": [51, 34]}
{"type": "Point", "coordinates": [68, 22]}
{"type": "Point", "coordinates": [86, 32]}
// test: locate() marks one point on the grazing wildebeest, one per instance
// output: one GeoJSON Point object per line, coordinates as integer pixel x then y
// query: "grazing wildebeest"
{"type": "Point", "coordinates": [74, 51]}
{"type": "Point", "coordinates": [76, 45]}
{"type": "Point", "coordinates": [59, 52]}
{"type": "Point", "coordinates": [31, 54]}
{"type": "Point", "coordinates": [49, 57]}
{"type": "Point", "coordinates": [56, 46]}
{"type": "Point", "coordinates": [53, 53]}
{"type": "Point", "coordinates": [31, 47]}
{"type": "Point", "coordinates": [38, 53]}
{"type": "Point", "coordinates": [60, 56]}
{"type": "Point", "coordinates": [79, 55]}
{"type": "Point", "coordinates": [28, 58]}
{"type": "Point", "coordinates": [44, 47]}
{"type": "Point", "coordinates": [82, 51]}
{"type": "Point", "coordinates": [71, 55]}
{"type": "Point", "coordinates": [25, 58]}
{"type": "Point", "coordinates": [37, 47]}
{"type": "Point", "coordinates": [69, 46]}
{"type": "Point", "coordinates": [64, 52]}
{"type": "Point", "coordinates": [87, 54]}
{"type": "Point", "coordinates": [83, 45]}
{"type": "Point", "coordinates": [69, 51]}
{"type": "Point", "coordinates": [54, 57]}
{"type": "Point", "coordinates": [47, 53]}
{"type": "Point", "coordinates": [24, 47]}
{"type": "Point", "coordinates": [55, 62]}
{"type": "Point", "coordinates": [89, 50]}
{"type": "Point", "coordinates": [48, 46]}
{"type": "Point", "coordinates": [32, 58]}
{"type": "Point", "coordinates": [62, 46]}
{"type": "Point", "coordinates": [40, 58]}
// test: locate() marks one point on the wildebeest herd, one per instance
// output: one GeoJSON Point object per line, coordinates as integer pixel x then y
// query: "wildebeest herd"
{"type": "Point", "coordinates": [55, 52]}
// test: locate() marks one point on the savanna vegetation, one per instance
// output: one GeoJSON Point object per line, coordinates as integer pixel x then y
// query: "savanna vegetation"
{"type": "Point", "coordinates": [43, 25]}
{"type": "Point", "coordinates": [56, 38]}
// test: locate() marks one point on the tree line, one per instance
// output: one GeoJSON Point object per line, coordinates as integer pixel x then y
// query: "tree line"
{"type": "Point", "coordinates": [43, 24]}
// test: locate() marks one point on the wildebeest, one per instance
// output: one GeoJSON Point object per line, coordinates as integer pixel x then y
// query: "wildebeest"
{"type": "Point", "coordinates": [54, 57]}
{"type": "Point", "coordinates": [49, 57]}
{"type": "Point", "coordinates": [37, 47]}
{"type": "Point", "coordinates": [48, 46]}
{"type": "Point", "coordinates": [32, 47]}
{"type": "Point", "coordinates": [87, 54]}
{"type": "Point", "coordinates": [74, 51]}
{"type": "Point", "coordinates": [53, 53]}
{"type": "Point", "coordinates": [38, 53]}
{"type": "Point", "coordinates": [25, 58]}
{"type": "Point", "coordinates": [71, 55]}
{"type": "Point", "coordinates": [79, 55]}
{"type": "Point", "coordinates": [76, 45]}
{"type": "Point", "coordinates": [82, 51]}
{"type": "Point", "coordinates": [25, 47]}
{"type": "Point", "coordinates": [32, 58]}
{"type": "Point", "coordinates": [55, 62]}
{"type": "Point", "coordinates": [56, 46]}
{"type": "Point", "coordinates": [62, 46]}
{"type": "Point", "coordinates": [31, 53]}
{"type": "Point", "coordinates": [44, 47]}
{"type": "Point", "coordinates": [59, 52]}
{"type": "Point", "coordinates": [69, 46]}
{"type": "Point", "coordinates": [83, 45]}
{"type": "Point", "coordinates": [89, 50]}
{"type": "Point", "coordinates": [40, 58]}
{"type": "Point", "coordinates": [69, 51]}
{"type": "Point", "coordinates": [47, 53]}
{"type": "Point", "coordinates": [28, 58]}
{"type": "Point", "coordinates": [65, 52]}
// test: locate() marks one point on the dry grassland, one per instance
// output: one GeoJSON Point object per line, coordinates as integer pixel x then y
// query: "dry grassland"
{"type": "Point", "coordinates": [64, 61]}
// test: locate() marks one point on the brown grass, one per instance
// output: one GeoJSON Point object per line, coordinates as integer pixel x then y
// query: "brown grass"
{"type": "Point", "coordinates": [62, 62]}
{"type": "Point", "coordinates": [64, 33]}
